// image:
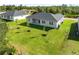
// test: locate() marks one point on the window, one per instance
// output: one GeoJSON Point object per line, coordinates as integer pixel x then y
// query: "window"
{"type": "Point", "coordinates": [43, 22]}
{"type": "Point", "coordinates": [38, 21]}
{"type": "Point", "coordinates": [51, 23]}
{"type": "Point", "coordinates": [10, 17]}
{"type": "Point", "coordinates": [34, 20]}
{"type": "Point", "coordinates": [3, 16]}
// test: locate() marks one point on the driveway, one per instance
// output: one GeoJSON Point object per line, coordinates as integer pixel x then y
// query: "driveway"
{"type": "Point", "coordinates": [71, 19]}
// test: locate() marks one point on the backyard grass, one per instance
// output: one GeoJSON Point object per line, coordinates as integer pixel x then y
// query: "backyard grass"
{"type": "Point", "coordinates": [30, 39]}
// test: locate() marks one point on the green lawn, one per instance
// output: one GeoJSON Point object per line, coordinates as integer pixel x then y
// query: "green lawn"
{"type": "Point", "coordinates": [34, 42]}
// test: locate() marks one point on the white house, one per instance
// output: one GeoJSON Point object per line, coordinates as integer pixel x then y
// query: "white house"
{"type": "Point", "coordinates": [14, 15]}
{"type": "Point", "coordinates": [2, 12]}
{"type": "Point", "coordinates": [46, 19]}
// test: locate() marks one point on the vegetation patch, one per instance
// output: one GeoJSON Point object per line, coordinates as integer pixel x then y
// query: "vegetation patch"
{"type": "Point", "coordinates": [17, 32]}
{"type": "Point", "coordinates": [28, 30]}
{"type": "Point", "coordinates": [5, 47]}
{"type": "Point", "coordinates": [39, 41]}
{"type": "Point", "coordinates": [18, 28]}
{"type": "Point", "coordinates": [44, 35]}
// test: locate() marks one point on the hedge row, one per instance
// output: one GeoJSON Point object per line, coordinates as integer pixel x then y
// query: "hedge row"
{"type": "Point", "coordinates": [72, 16]}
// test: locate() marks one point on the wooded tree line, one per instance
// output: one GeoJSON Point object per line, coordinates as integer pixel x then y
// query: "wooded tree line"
{"type": "Point", "coordinates": [69, 11]}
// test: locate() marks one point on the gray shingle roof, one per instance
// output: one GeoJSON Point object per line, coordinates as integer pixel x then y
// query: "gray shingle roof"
{"type": "Point", "coordinates": [58, 16]}
{"type": "Point", "coordinates": [15, 13]}
{"type": "Point", "coordinates": [46, 16]}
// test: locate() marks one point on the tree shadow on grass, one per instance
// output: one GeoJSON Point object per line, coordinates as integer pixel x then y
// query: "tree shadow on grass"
{"type": "Point", "coordinates": [36, 26]}
{"type": "Point", "coordinates": [73, 34]}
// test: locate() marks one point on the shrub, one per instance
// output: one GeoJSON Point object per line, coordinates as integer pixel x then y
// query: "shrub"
{"type": "Point", "coordinates": [72, 16]}
{"type": "Point", "coordinates": [44, 34]}
{"type": "Point", "coordinates": [28, 30]}
{"type": "Point", "coordinates": [17, 32]}
{"type": "Point", "coordinates": [18, 28]}
{"type": "Point", "coordinates": [11, 51]}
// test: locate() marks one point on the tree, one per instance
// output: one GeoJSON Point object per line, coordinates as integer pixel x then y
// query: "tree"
{"type": "Point", "coordinates": [20, 7]}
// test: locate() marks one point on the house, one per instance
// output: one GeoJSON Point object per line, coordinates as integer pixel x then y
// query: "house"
{"type": "Point", "coordinates": [14, 15]}
{"type": "Point", "coordinates": [46, 19]}
{"type": "Point", "coordinates": [2, 12]}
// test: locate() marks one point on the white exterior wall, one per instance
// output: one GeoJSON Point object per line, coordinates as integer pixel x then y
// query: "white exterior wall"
{"type": "Point", "coordinates": [46, 23]}
{"type": "Point", "coordinates": [11, 18]}
{"type": "Point", "coordinates": [6, 17]}
{"type": "Point", "coordinates": [14, 18]}
{"type": "Point", "coordinates": [19, 17]}
{"type": "Point", "coordinates": [60, 21]}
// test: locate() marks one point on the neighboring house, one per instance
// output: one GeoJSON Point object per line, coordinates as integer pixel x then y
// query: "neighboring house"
{"type": "Point", "coordinates": [46, 19]}
{"type": "Point", "coordinates": [2, 12]}
{"type": "Point", "coordinates": [14, 15]}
